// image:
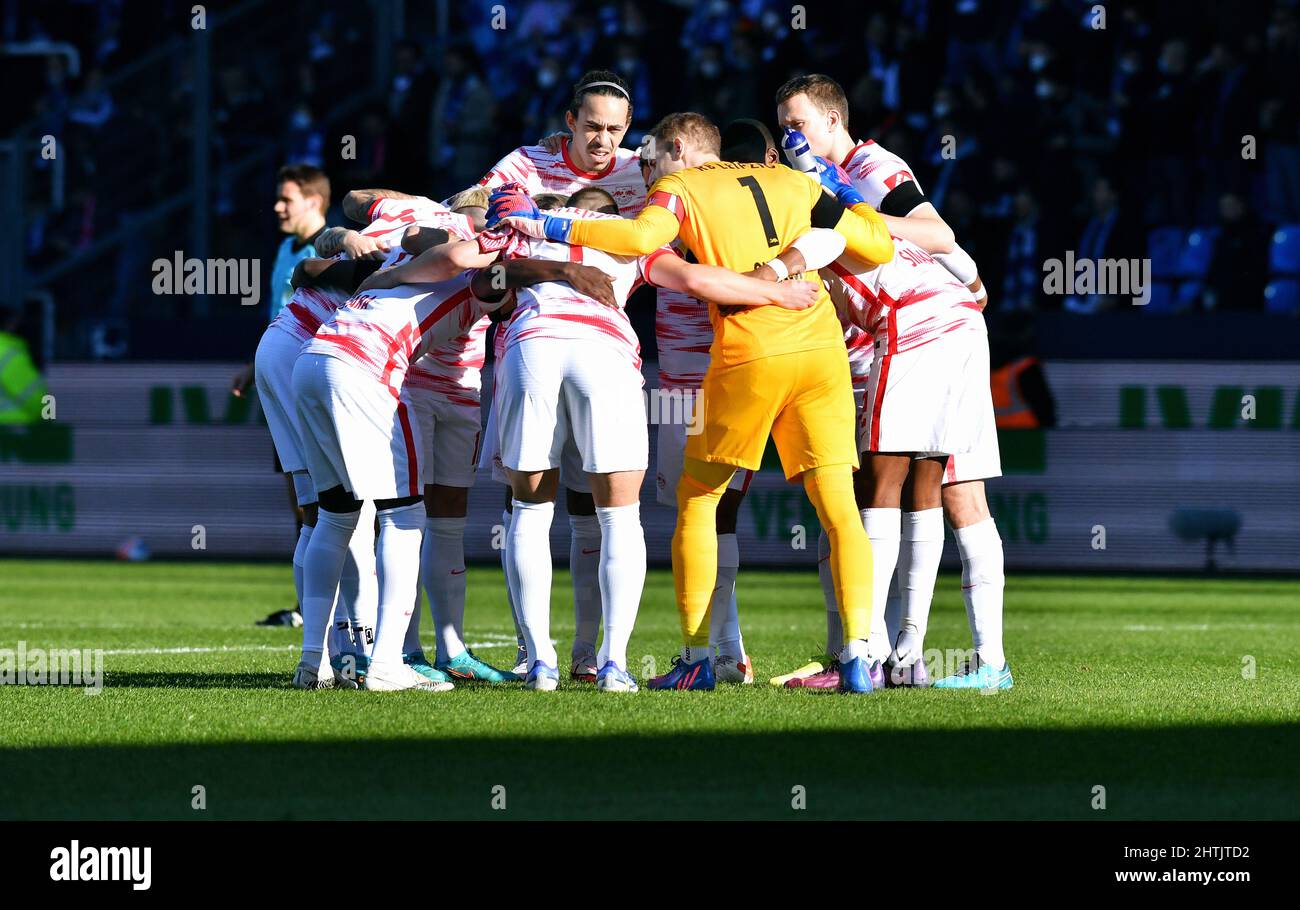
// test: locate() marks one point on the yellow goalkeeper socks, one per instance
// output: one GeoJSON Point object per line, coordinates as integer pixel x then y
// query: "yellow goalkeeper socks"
{"type": "Point", "coordinates": [831, 491]}
{"type": "Point", "coordinates": [695, 545]}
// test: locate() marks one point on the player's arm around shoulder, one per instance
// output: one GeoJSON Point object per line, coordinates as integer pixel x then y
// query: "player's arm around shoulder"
{"type": "Point", "coordinates": [724, 287]}
{"type": "Point", "coordinates": [655, 226]}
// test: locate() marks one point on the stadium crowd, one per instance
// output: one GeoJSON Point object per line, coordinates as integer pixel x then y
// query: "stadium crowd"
{"type": "Point", "coordinates": [1177, 116]}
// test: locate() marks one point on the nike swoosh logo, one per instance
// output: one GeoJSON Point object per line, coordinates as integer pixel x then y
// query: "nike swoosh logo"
{"type": "Point", "coordinates": [586, 552]}
{"type": "Point", "coordinates": [457, 571]}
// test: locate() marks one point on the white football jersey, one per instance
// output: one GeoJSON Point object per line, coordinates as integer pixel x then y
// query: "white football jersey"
{"type": "Point", "coordinates": [384, 331]}
{"type": "Point", "coordinates": [540, 171]}
{"type": "Point", "coordinates": [553, 309]}
{"type": "Point", "coordinates": [876, 173]}
{"type": "Point", "coordinates": [904, 303]}
{"type": "Point", "coordinates": [309, 308]}
{"type": "Point", "coordinates": [684, 334]}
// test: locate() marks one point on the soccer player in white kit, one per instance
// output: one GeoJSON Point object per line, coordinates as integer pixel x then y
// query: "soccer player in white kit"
{"type": "Point", "coordinates": [572, 371]}
{"type": "Point", "coordinates": [597, 118]}
{"type": "Point", "coordinates": [361, 442]}
{"type": "Point", "coordinates": [816, 106]}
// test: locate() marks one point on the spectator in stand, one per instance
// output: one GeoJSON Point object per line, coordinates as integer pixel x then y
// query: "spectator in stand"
{"type": "Point", "coordinates": [1107, 235]}
{"type": "Point", "coordinates": [1239, 267]}
{"type": "Point", "coordinates": [1024, 269]}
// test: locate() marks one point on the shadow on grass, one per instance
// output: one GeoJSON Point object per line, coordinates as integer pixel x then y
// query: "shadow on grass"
{"type": "Point", "coordinates": [197, 680]}
{"type": "Point", "coordinates": [1182, 772]}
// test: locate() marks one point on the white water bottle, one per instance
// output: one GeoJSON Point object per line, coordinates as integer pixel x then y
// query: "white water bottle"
{"type": "Point", "coordinates": [798, 153]}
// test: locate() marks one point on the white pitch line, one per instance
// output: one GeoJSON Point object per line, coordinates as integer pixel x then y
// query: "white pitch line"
{"type": "Point", "coordinates": [222, 649]}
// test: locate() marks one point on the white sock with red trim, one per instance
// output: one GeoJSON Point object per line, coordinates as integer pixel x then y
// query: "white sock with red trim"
{"type": "Point", "coordinates": [529, 548]}
{"type": "Point", "coordinates": [442, 568]}
{"type": "Point", "coordinates": [622, 577]}
{"type": "Point", "coordinates": [923, 543]}
{"type": "Point", "coordinates": [400, 533]}
{"type": "Point", "coordinates": [585, 568]}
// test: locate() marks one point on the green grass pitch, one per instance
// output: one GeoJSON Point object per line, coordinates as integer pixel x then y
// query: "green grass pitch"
{"type": "Point", "coordinates": [1181, 697]}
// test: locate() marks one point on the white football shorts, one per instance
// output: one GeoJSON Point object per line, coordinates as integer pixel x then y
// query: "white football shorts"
{"type": "Point", "coordinates": [452, 435]}
{"type": "Point", "coordinates": [555, 390]}
{"type": "Point", "coordinates": [356, 431]}
{"type": "Point", "coordinates": [932, 400]}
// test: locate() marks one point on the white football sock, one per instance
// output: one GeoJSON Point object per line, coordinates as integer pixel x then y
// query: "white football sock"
{"type": "Point", "coordinates": [923, 543]}
{"type": "Point", "coordinates": [529, 549]}
{"type": "Point", "coordinates": [692, 654]}
{"type": "Point", "coordinates": [724, 615]}
{"type": "Point", "coordinates": [622, 577]}
{"type": "Point", "coordinates": [400, 532]}
{"type": "Point", "coordinates": [834, 625]}
{"type": "Point", "coordinates": [321, 568]}
{"type": "Point", "coordinates": [894, 602]}
{"type": "Point", "coordinates": [340, 637]}
{"type": "Point", "coordinates": [442, 567]}
{"type": "Point", "coordinates": [884, 528]}
{"type": "Point", "coordinates": [512, 589]}
{"type": "Point", "coordinates": [856, 647]}
{"type": "Point", "coordinates": [411, 641]}
{"type": "Point", "coordinates": [299, 554]}
{"type": "Point", "coordinates": [982, 583]}
{"type": "Point", "coordinates": [584, 566]}
{"type": "Point", "coordinates": [363, 610]}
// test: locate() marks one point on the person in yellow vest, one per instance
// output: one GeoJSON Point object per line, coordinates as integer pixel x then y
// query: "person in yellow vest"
{"type": "Point", "coordinates": [22, 388]}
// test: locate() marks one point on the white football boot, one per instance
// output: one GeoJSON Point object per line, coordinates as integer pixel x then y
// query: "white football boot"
{"type": "Point", "coordinates": [397, 677]}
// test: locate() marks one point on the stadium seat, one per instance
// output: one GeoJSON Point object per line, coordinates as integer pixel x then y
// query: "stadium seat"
{"type": "Point", "coordinates": [1189, 295]}
{"type": "Point", "coordinates": [1164, 246]}
{"type": "Point", "coordinates": [1284, 253]}
{"type": "Point", "coordinates": [1283, 296]}
{"type": "Point", "coordinates": [1162, 298]}
{"type": "Point", "coordinates": [1194, 258]}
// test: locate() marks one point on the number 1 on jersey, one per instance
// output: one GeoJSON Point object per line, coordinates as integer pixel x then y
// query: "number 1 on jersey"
{"type": "Point", "coordinates": [764, 213]}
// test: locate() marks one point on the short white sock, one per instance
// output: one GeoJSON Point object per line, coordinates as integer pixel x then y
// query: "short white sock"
{"type": "Point", "coordinates": [299, 554]}
{"type": "Point", "coordinates": [622, 577]}
{"type": "Point", "coordinates": [512, 589]}
{"type": "Point", "coordinates": [884, 527]}
{"type": "Point", "coordinates": [584, 567]}
{"type": "Point", "coordinates": [982, 583]}
{"type": "Point", "coordinates": [724, 614]}
{"type": "Point", "coordinates": [442, 568]}
{"type": "Point", "coordinates": [923, 543]}
{"type": "Point", "coordinates": [529, 553]}
{"type": "Point", "coordinates": [322, 566]}
{"type": "Point", "coordinates": [834, 625]}
{"type": "Point", "coordinates": [363, 610]}
{"type": "Point", "coordinates": [400, 532]}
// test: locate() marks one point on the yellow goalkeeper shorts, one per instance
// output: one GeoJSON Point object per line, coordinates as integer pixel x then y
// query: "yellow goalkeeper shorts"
{"type": "Point", "coordinates": [804, 401]}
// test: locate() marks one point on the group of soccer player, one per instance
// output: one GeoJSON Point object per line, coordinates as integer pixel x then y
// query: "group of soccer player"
{"type": "Point", "coordinates": [370, 382]}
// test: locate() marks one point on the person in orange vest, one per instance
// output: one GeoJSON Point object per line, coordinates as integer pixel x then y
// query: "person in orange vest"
{"type": "Point", "coordinates": [1022, 399]}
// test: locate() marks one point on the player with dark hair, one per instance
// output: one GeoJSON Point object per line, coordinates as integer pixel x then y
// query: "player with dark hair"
{"type": "Point", "coordinates": [591, 155]}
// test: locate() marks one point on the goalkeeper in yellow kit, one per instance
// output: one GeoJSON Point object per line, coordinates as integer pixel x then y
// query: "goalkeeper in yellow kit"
{"type": "Point", "coordinates": [772, 371]}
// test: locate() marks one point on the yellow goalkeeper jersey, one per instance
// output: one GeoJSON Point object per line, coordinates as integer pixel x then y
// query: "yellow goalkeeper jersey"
{"type": "Point", "coordinates": [739, 216]}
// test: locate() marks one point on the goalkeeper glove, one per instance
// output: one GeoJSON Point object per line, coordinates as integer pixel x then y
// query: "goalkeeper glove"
{"type": "Point", "coordinates": [834, 179]}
